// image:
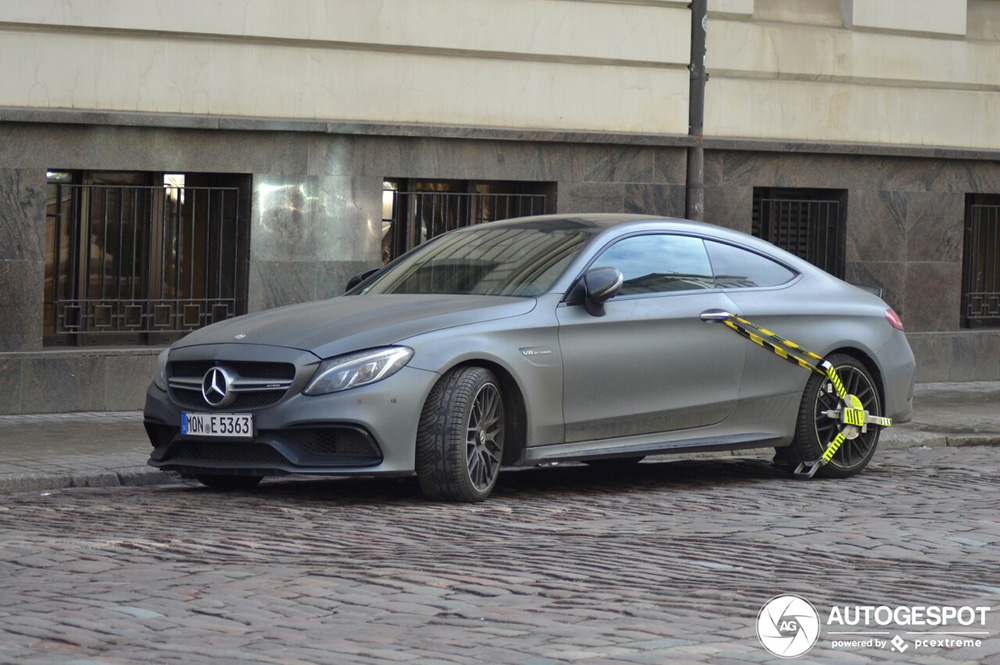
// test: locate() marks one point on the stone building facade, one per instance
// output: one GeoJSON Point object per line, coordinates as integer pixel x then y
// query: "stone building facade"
{"type": "Point", "coordinates": [163, 167]}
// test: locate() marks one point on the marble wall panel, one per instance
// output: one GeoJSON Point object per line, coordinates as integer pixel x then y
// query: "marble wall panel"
{"type": "Point", "coordinates": [746, 169]}
{"type": "Point", "coordinates": [890, 276]}
{"type": "Point", "coordinates": [276, 283]}
{"type": "Point", "coordinates": [10, 386]}
{"type": "Point", "coordinates": [314, 218]}
{"type": "Point", "coordinates": [670, 166]}
{"type": "Point", "coordinates": [331, 155]}
{"type": "Point", "coordinates": [621, 164]}
{"type": "Point", "coordinates": [63, 383]}
{"type": "Point", "coordinates": [471, 160]}
{"type": "Point", "coordinates": [731, 207]}
{"type": "Point", "coordinates": [668, 200]}
{"type": "Point", "coordinates": [901, 174]}
{"type": "Point", "coordinates": [935, 226]}
{"type": "Point", "coordinates": [714, 170]}
{"type": "Point", "coordinates": [876, 226]}
{"type": "Point", "coordinates": [825, 171]}
{"type": "Point", "coordinates": [126, 379]}
{"type": "Point", "coordinates": [578, 197]}
{"type": "Point", "coordinates": [21, 296]}
{"type": "Point", "coordinates": [933, 296]}
{"type": "Point", "coordinates": [22, 215]}
{"type": "Point", "coordinates": [224, 152]}
{"type": "Point", "coordinates": [332, 277]}
{"type": "Point", "coordinates": [94, 147]}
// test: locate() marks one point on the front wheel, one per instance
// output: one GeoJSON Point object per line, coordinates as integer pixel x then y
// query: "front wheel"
{"type": "Point", "coordinates": [814, 429]}
{"type": "Point", "coordinates": [461, 435]}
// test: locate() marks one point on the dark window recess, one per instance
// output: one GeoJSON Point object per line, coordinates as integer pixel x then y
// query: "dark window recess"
{"type": "Point", "coordinates": [142, 258]}
{"type": "Point", "coordinates": [810, 223]}
{"type": "Point", "coordinates": [414, 211]}
{"type": "Point", "coordinates": [981, 261]}
{"type": "Point", "coordinates": [737, 268]}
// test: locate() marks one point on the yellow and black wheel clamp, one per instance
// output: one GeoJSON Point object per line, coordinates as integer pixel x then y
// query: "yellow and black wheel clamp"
{"type": "Point", "coordinates": [852, 417]}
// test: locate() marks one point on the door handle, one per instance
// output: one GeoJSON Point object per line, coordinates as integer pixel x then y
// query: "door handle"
{"type": "Point", "coordinates": [714, 315]}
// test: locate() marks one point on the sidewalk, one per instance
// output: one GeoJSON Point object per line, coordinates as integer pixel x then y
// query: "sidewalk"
{"type": "Point", "coordinates": [52, 451]}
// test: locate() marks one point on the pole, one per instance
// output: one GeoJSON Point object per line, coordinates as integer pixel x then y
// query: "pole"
{"type": "Point", "coordinates": [695, 186]}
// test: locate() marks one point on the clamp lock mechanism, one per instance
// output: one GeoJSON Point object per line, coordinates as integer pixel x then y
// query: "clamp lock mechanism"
{"type": "Point", "coordinates": [851, 417]}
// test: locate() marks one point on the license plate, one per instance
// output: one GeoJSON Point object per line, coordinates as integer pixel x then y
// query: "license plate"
{"type": "Point", "coordinates": [228, 425]}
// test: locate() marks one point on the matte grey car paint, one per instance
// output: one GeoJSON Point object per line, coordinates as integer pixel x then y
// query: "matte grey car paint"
{"type": "Point", "coordinates": [649, 376]}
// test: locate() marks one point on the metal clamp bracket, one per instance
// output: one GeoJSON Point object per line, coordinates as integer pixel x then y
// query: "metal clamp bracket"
{"type": "Point", "coordinates": [851, 416]}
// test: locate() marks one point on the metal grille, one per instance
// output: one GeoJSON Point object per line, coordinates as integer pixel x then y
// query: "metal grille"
{"type": "Point", "coordinates": [424, 215]}
{"type": "Point", "coordinates": [810, 228]}
{"type": "Point", "coordinates": [981, 282]}
{"type": "Point", "coordinates": [332, 445]}
{"type": "Point", "coordinates": [249, 369]}
{"type": "Point", "coordinates": [140, 259]}
{"type": "Point", "coordinates": [191, 397]}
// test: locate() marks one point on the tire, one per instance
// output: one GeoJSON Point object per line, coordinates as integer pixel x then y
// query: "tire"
{"type": "Point", "coordinates": [228, 483]}
{"type": "Point", "coordinates": [461, 435]}
{"type": "Point", "coordinates": [814, 431]}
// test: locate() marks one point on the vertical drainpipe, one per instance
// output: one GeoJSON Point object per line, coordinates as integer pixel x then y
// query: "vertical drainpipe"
{"type": "Point", "coordinates": [695, 187]}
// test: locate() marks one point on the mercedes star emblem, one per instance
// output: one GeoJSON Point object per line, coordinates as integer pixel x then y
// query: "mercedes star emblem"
{"type": "Point", "coordinates": [215, 387]}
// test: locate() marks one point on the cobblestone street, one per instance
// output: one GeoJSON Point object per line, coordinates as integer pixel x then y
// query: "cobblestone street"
{"type": "Point", "coordinates": [669, 562]}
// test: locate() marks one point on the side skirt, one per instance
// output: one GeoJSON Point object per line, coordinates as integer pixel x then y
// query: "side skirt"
{"type": "Point", "coordinates": [646, 445]}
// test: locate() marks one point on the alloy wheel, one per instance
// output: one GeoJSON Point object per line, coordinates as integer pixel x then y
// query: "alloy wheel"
{"type": "Point", "coordinates": [852, 452]}
{"type": "Point", "coordinates": [484, 443]}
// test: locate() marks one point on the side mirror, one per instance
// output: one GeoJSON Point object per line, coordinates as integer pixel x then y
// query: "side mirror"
{"type": "Point", "coordinates": [597, 286]}
{"type": "Point", "coordinates": [357, 279]}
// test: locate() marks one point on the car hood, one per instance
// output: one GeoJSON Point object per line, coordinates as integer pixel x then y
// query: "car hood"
{"type": "Point", "coordinates": [349, 323]}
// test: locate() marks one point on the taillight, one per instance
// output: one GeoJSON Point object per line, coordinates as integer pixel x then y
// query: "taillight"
{"type": "Point", "coordinates": [893, 319]}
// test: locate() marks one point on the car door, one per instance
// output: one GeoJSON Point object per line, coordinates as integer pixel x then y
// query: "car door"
{"type": "Point", "coordinates": [650, 364]}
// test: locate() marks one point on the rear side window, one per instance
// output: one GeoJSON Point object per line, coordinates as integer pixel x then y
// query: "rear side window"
{"type": "Point", "coordinates": [737, 268]}
{"type": "Point", "coordinates": [659, 263]}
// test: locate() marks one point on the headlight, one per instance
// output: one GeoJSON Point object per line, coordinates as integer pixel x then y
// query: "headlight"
{"type": "Point", "coordinates": [358, 369]}
{"type": "Point", "coordinates": [160, 378]}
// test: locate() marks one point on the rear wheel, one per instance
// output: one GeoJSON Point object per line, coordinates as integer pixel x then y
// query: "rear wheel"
{"type": "Point", "coordinates": [461, 436]}
{"type": "Point", "coordinates": [815, 430]}
{"type": "Point", "coordinates": [228, 483]}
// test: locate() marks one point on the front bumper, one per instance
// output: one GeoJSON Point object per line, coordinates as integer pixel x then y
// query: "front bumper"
{"type": "Point", "coordinates": [363, 431]}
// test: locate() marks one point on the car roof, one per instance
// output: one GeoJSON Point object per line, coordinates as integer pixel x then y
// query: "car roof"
{"type": "Point", "coordinates": [621, 223]}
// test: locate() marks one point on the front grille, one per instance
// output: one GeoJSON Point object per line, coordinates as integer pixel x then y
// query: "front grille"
{"type": "Point", "coordinates": [185, 383]}
{"type": "Point", "coordinates": [192, 399]}
{"type": "Point", "coordinates": [248, 369]}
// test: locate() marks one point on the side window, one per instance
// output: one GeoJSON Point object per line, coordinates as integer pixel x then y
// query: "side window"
{"type": "Point", "coordinates": [737, 268]}
{"type": "Point", "coordinates": [659, 263]}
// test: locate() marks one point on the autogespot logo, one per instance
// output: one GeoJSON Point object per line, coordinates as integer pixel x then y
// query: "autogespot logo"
{"type": "Point", "coordinates": [788, 626]}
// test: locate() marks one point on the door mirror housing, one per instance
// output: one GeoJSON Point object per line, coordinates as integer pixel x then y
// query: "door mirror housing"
{"type": "Point", "coordinates": [596, 287]}
{"type": "Point", "coordinates": [357, 279]}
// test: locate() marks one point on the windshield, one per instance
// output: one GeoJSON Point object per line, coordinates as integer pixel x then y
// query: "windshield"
{"type": "Point", "coordinates": [499, 261]}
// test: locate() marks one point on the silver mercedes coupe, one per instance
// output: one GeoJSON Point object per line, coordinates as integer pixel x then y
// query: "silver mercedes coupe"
{"type": "Point", "coordinates": [595, 338]}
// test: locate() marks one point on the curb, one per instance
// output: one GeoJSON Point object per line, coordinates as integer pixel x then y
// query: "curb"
{"type": "Point", "coordinates": [131, 477]}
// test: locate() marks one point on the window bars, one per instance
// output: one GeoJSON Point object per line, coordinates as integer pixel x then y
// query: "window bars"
{"type": "Point", "coordinates": [140, 259]}
{"type": "Point", "coordinates": [807, 223]}
{"type": "Point", "coordinates": [981, 269]}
